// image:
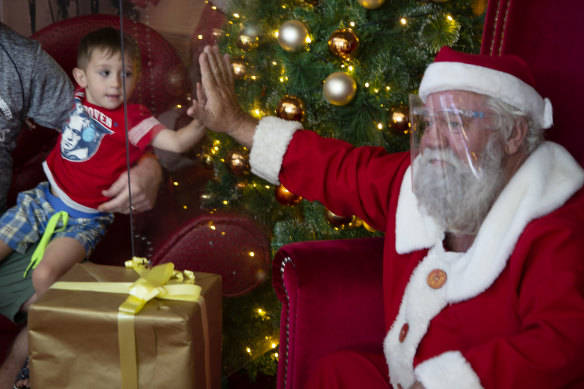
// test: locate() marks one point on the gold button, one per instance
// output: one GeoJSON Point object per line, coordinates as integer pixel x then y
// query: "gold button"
{"type": "Point", "coordinates": [436, 278]}
{"type": "Point", "coordinates": [404, 332]}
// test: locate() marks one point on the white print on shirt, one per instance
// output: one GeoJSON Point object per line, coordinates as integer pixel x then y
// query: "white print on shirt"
{"type": "Point", "coordinates": [81, 135]}
{"type": "Point", "coordinates": [99, 116]}
{"type": "Point", "coordinates": [3, 133]}
{"type": "Point", "coordinates": [5, 109]}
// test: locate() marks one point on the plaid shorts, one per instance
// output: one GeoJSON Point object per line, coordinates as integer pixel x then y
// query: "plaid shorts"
{"type": "Point", "coordinates": [24, 224]}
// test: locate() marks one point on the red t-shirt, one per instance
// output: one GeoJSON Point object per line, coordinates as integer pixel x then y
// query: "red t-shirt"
{"type": "Point", "coordinates": [91, 152]}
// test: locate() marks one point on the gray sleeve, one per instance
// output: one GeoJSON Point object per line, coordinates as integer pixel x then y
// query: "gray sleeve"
{"type": "Point", "coordinates": [51, 92]}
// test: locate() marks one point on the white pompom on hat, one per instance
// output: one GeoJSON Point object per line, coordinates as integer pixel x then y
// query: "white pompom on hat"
{"type": "Point", "coordinates": [505, 77]}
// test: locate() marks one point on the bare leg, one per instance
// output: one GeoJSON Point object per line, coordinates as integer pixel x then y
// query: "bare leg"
{"type": "Point", "coordinates": [16, 356]}
{"type": "Point", "coordinates": [5, 251]}
{"type": "Point", "coordinates": [60, 256]}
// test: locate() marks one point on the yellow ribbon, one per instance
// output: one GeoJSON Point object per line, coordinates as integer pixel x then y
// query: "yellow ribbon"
{"type": "Point", "coordinates": [161, 282]}
{"type": "Point", "coordinates": [38, 253]}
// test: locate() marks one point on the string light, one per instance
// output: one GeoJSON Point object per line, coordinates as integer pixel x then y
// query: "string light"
{"type": "Point", "coordinates": [200, 36]}
{"type": "Point", "coordinates": [403, 21]}
{"type": "Point", "coordinates": [236, 15]}
{"type": "Point", "coordinates": [175, 183]}
{"type": "Point", "coordinates": [251, 254]}
{"type": "Point", "coordinates": [248, 350]}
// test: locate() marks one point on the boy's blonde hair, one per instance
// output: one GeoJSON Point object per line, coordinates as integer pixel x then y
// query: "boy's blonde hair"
{"type": "Point", "coordinates": [108, 39]}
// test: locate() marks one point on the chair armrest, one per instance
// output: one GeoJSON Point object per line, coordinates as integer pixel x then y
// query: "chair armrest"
{"type": "Point", "coordinates": [331, 294]}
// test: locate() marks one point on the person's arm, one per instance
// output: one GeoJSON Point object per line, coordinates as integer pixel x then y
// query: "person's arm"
{"type": "Point", "coordinates": [145, 178]}
{"type": "Point", "coordinates": [182, 139]}
{"type": "Point", "coordinates": [217, 106]}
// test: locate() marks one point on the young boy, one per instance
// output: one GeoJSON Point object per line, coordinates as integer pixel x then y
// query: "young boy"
{"type": "Point", "coordinates": [89, 156]}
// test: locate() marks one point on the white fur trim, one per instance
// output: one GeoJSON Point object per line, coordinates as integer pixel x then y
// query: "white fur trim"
{"type": "Point", "coordinates": [443, 76]}
{"type": "Point", "coordinates": [270, 143]}
{"type": "Point", "coordinates": [449, 370]}
{"type": "Point", "coordinates": [420, 304]}
{"type": "Point", "coordinates": [545, 181]}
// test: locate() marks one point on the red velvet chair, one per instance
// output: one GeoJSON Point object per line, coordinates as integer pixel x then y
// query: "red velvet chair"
{"type": "Point", "coordinates": [331, 291]}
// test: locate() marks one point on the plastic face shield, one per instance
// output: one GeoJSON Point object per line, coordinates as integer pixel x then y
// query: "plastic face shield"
{"type": "Point", "coordinates": [451, 130]}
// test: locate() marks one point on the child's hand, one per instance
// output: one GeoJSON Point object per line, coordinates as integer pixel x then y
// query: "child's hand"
{"type": "Point", "coordinates": [198, 106]}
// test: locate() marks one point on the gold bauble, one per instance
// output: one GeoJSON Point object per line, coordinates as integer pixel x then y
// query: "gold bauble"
{"type": "Point", "coordinates": [248, 38]}
{"type": "Point", "coordinates": [290, 108]}
{"type": "Point", "coordinates": [238, 68]}
{"type": "Point", "coordinates": [339, 88]}
{"type": "Point", "coordinates": [337, 220]}
{"type": "Point", "coordinates": [371, 4]}
{"type": "Point", "coordinates": [292, 35]}
{"type": "Point", "coordinates": [237, 161]}
{"type": "Point", "coordinates": [343, 43]}
{"type": "Point", "coordinates": [285, 197]}
{"type": "Point", "coordinates": [399, 120]}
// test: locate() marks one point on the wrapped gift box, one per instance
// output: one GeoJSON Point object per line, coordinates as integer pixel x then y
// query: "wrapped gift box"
{"type": "Point", "coordinates": [73, 336]}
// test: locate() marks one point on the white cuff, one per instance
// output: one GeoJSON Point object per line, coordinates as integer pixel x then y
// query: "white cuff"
{"type": "Point", "coordinates": [270, 143]}
{"type": "Point", "coordinates": [449, 370]}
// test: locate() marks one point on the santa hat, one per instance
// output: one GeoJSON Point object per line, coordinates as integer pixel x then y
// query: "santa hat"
{"type": "Point", "coordinates": [505, 77]}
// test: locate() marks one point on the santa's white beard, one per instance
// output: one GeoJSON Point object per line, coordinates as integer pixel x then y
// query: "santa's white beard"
{"type": "Point", "coordinates": [451, 193]}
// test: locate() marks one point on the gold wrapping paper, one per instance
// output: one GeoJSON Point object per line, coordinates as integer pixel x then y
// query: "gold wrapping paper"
{"type": "Point", "coordinates": [73, 337]}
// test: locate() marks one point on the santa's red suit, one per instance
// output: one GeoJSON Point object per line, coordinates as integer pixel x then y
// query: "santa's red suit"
{"type": "Point", "coordinates": [508, 313]}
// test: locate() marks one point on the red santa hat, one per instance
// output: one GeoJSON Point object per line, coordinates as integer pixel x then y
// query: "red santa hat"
{"type": "Point", "coordinates": [505, 77]}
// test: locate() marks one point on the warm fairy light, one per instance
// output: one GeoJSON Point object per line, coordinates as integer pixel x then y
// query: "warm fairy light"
{"type": "Point", "coordinates": [236, 15]}
{"type": "Point", "coordinates": [251, 254]}
{"type": "Point", "coordinates": [185, 207]}
{"type": "Point", "coordinates": [281, 79]}
{"type": "Point", "coordinates": [403, 21]}
{"type": "Point", "coordinates": [260, 311]}
{"type": "Point", "coordinates": [223, 233]}
{"type": "Point", "coordinates": [214, 8]}
{"type": "Point", "coordinates": [449, 18]}
{"type": "Point", "coordinates": [274, 63]}
{"type": "Point", "coordinates": [257, 111]}
{"type": "Point", "coordinates": [211, 226]}
{"type": "Point", "coordinates": [253, 77]}
{"type": "Point", "coordinates": [179, 106]}
{"type": "Point", "coordinates": [376, 90]}
{"type": "Point", "coordinates": [274, 345]}
{"type": "Point", "coordinates": [387, 88]}
{"type": "Point", "coordinates": [380, 126]}
{"type": "Point", "coordinates": [352, 24]}
{"type": "Point", "coordinates": [351, 68]}
{"type": "Point", "coordinates": [276, 34]}
{"type": "Point", "coordinates": [248, 350]}
{"type": "Point", "coordinates": [175, 183]}
{"type": "Point", "coordinates": [276, 355]}
{"type": "Point", "coordinates": [267, 186]}
{"type": "Point", "coordinates": [366, 85]}
{"type": "Point", "coordinates": [308, 40]}
{"type": "Point", "coordinates": [200, 36]}
{"type": "Point", "coordinates": [225, 202]}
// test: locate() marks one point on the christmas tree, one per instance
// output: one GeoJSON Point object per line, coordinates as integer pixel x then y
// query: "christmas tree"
{"type": "Point", "coordinates": [343, 68]}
